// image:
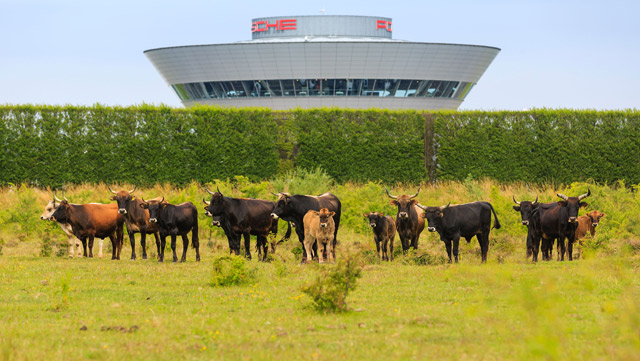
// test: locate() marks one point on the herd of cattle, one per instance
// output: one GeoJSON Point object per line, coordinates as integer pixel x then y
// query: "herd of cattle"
{"type": "Point", "coordinates": [316, 220]}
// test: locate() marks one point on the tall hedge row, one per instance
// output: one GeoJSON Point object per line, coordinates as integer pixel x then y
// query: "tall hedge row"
{"type": "Point", "coordinates": [54, 145]}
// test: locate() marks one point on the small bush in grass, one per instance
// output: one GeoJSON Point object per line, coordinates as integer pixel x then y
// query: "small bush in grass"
{"type": "Point", "coordinates": [414, 258]}
{"type": "Point", "coordinates": [1, 245]}
{"type": "Point", "coordinates": [231, 271]}
{"type": "Point", "coordinates": [63, 249]}
{"type": "Point", "coordinates": [330, 289]}
{"type": "Point", "coordinates": [46, 245]}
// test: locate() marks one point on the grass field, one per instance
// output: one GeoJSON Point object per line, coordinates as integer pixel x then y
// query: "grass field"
{"type": "Point", "coordinates": [56, 308]}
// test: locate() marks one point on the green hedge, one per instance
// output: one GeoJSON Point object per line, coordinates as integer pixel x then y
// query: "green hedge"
{"type": "Point", "coordinates": [55, 145]}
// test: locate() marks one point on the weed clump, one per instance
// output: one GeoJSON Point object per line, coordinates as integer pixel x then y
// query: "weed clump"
{"type": "Point", "coordinates": [46, 245]}
{"type": "Point", "coordinates": [330, 289]}
{"type": "Point", "coordinates": [231, 271]}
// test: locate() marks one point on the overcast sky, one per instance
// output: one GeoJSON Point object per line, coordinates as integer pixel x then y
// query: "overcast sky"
{"type": "Point", "coordinates": [555, 53]}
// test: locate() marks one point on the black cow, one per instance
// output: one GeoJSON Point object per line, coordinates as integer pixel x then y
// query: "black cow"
{"type": "Point", "coordinates": [526, 208]}
{"type": "Point", "coordinates": [174, 220]}
{"type": "Point", "coordinates": [559, 221]}
{"type": "Point", "coordinates": [93, 220]}
{"type": "Point", "coordinates": [137, 220]}
{"type": "Point", "coordinates": [243, 217]}
{"type": "Point", "coordinates": [462, 220]}
{"type": "Point", "coordinates": [409, 220]}
{"type": "Point", "coordinates": [384, 233]}
{"type": "Point", "coordinates": [293, 208]}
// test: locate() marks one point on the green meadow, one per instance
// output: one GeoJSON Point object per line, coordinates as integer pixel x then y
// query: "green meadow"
{"type": "Point", "coordinates": [53, 307]}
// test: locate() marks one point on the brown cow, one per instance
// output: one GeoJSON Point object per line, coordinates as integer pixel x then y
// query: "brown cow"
{"type": "Point", "coordinates": [137, 220]}
{"type": "Point", "coordinates": [587, 223]}
{"type": "Point", "coordinates": [384, 233]}
{"type": "Point", "coordinates": [319, 226]}
{"type": "Point", "coordinates": [409, 221]}
{"type": "Point", "coordinates": [91, 221]}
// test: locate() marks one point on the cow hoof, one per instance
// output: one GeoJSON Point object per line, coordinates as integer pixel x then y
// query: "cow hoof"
{"type": "Point", "coordinates": [144, 257]}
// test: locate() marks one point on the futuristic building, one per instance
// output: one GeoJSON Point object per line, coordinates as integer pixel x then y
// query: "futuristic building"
{"type": "Point", "coordinates": [316, 61]}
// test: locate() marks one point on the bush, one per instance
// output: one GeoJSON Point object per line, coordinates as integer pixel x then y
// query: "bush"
{"type": "Point", "coordinates": [231, 271]}
{"type": "Point", "coordinates": [46, 245]}
{"type": "Point", "coordinates": [330, 289]}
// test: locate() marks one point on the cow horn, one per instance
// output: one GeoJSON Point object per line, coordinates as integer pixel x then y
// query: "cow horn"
{"type": "Point", "coordinates": [276, 194]}
{"type": "Point", "coordinates": [421, 206]}
{"type": "Point", "coordinates": [536, 202]}
{"type": "Point", "coordinates": [208, 191]}
{"type": "Point", "coordinates": [218, 189]}
{"type": "Point", "coordinates": [112, 191]}
{"type": "Point", "coordinates": [162, 200]}
{"type": "Point", "coordinates": [390, 196]}
{"type": "Point", "coordinates": [514, 199]}
{"type": "Point", "coordinates": [133, 190]}
{"type": "Point", "coordinates": [415, 195]}
{"type": "Point", "coordinates": [205, 202]}
{"type": "Point", "coordinates": [562, 196]}
{"type": "Point", "coordinates": [445, 207]}
{"type": "Point", "coordinates": [585, 195]}
{"type": "Point", "coordinates": [64, 197]}
{"type": "Point", "coordinates": [55, 198]}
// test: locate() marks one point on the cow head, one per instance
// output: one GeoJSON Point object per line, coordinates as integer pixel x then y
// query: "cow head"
{"type": "Point", "coordinates": [573, 204]}
{"type": "Point", "coordinates": [206, 208]}
{"type": "Point", "coordinates": [282, 205]}
{"type": "Point", "coordinates": [325, 216]}
{"type": "Point", "coordinates": [373, 218]}
{"type": "Point", "coordinates": [50, 208]}
{"type": "Point", "coordinates": [525, 208]}
{"type": "Point", "coordinates": [215, 206]}
{"type": "Point", "coordinates": [155, 208]}
{"type": "Point", "coordinates": [434, 216]}
{"type": "Point", "coordinates": [61, 214]}
{"type": "Point", "coordinates": [404, 203]}
{"type": "Point", "coordinates": [595, 216]}
{"type": "Point", "coordinates": [122, 198]}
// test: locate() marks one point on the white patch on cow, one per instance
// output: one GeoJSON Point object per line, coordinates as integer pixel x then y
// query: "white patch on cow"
{"type": "Point", "coordinates": [274, 216]}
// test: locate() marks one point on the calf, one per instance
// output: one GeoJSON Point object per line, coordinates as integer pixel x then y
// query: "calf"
{"type": "Point", "coordinates": [587, 223]}
{"type": "Point", "coordinates": [319, 226]}
{"type": "Point", "coordinates": [93, 220]}
{"type": "Point", "coordinates": [174, 220]}
{"type": "Point", "coordinates": [463, 220]}
{"type": "Point", "coordinates": [384, 232]}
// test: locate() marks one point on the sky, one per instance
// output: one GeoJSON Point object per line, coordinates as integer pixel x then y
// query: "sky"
{"type": "Point", "coordinates": [555, 53]}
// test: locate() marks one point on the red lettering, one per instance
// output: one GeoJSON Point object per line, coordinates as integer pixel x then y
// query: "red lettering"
{"type": "Point", "coordinates": [288, 24]}
{"type": "Point", "coordinates": [285, 24]}
{"type": "Point", "coordinates": [383, 24]}
{"type": "Point", "coordinates": [276, 25]}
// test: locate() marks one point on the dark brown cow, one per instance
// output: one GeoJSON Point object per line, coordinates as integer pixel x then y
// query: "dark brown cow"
{"type": "Point", "coordinates": [587, 223]}
{"type": "Point", "coordinates": [409, 220]}
{"type": "Point", "coordinates": [137, 220]}
{"type": "Point", "coordinates": [91, 221]}
{"type": "Point", "coordinates": [384, 233]}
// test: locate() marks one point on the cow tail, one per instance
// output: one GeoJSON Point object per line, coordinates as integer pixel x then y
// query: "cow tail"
{"type": "Point", "coordinates": [286, 235]}
{"type": "Point", "coordinates": [496, 224]}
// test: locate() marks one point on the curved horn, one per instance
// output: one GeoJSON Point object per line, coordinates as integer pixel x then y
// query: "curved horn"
{"type": "Point", "coordinates": [205, 202]}
{"type": "Point", "coordinates": [56, 198]}
{"type": "Point", "coordinates": [445, 207]}
{"type": "Point", "coordinates": [536, 202]}
{"type": "Point", "coordinates": [64, 197]}
{"type": "Point", "coordinates": [514, 199]}
{"type": "Point", "coordinates": [581, 197]}
{"type": "Point", "coordinates": [421, 206]}
{"type": "Point", "coordinates": [162, 200]}
{"type": "Point", "coordinates": [562, 196]}
{"type": "Point", "coordinates": [218, 189]}
{"type": "Point", "coordinates": [390, 196]}
{"type": "Point", "coordinates": [112, 191]}
{"type": "Point", "coordinates": [143, 201]}
{"type": "Point", "coordinates": [276, 194]}
{"type": "Point", "coordinates": [208, 191]}
{"type": "Point", "coordinates": [415, 195]}
{"type": "Point", "coordinates": [134, 188]}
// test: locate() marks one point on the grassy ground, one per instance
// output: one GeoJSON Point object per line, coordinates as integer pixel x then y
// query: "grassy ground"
{"type": "Point", "coordinates": [59, 308]}
{"type": "Point", "coordinates": [417, 307]}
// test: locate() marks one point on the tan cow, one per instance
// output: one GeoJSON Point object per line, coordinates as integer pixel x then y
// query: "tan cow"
{"type": "Point", "coordinates": [587, 223]}
{"type": "Point", "coordinates": [319, 226]}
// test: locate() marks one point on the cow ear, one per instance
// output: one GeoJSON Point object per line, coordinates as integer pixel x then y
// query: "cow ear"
{"type": "Point", "coordinates": [394, 203]}
{"type": "Point", "coordinates": [144, 205]}
{"type": "Point", "coordinates": [517, 208]}
{"type": "Point", "coordinates": [441, 215]}
{"type": "Point", "coordinates": [206, 208]}
{"type": "Point", "coordinates": [366, 215]}
{"type": "Point", "coordinates": [113, 198]}
{"type": "Point", "coordinates": [381, 214]}
{"type": "Point", "coordinates": [562, 203]}
{"type": "Point", "coordinates": [413, 201]}
{"type": "Point", "coordinates": [602, 215]}
{"type": "Point", "coordinates": [583, 204]}
{"type": "Point", "coordinates": [332, 214]}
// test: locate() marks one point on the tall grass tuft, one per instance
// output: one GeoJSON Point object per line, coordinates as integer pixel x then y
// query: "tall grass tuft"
{"type": "Point", "coordinates": [231, 271]}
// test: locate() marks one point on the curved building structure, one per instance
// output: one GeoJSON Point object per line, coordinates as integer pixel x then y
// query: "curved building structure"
{"type": "Point", "coordinates": [316, 61]}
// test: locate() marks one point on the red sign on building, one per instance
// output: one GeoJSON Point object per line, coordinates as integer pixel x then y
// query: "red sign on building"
{"type": "Point", "coordinates": [383, 24]}
{"type": "Point", "coordinates": [264, 25]}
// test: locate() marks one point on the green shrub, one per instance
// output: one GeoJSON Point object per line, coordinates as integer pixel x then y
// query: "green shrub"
{"type": "Point", "coordinates": [231, 271]}
{"type": "Point", "coordinates": [46, 245]}
{"type": "Point", "coordinates": [330, 289]}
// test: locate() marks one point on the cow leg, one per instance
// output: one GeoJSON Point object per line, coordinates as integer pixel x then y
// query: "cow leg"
{"type": "Point", "coordinates": [456, 244]}
{"type": "Point", "coordinates": [484, 245]}
{"type": "Point", "coordinates": [143, 244]}
{"type": "Point", "coordinates": [173, 248]}
{"type": "Point", "coordinates": [383, 246]}
{"type": "Point", "coordinates": [72, 243]}
{"type": "Point", "coordinates": [163, 245]}
{"type": "Point", "coordinates": [570, 249]}
{"type": "Point", "coordinates": [447, 244]}
{"type": "Point", "coordinates": [535, 249]}
{"type": "Point", "coordinates": [331, 252]}
{"type": "Point", "coordinates": [84, 246]}
{"type": "Point", "coordinates": [132, 240]}
{"type": "Point", "coordinates": [391, 248]}
{"type": "Point", "coordinates": [377, 241]}
{"type": "Point", "coordinates": [100, 246]}
{"type": "Point", "coordinates": [262, 248]}
{"type": "Point", "coordinates": [195, 242]}
{"type": "Point", "coordinates": [90, 246]}
{"type": "Point", "coordinates": [321, 250]}
{"type": "Point", "coordinates": [185, 245]}
{"type": "Point", "coordinates": [414, 241]}
{"type": "Point", "coordinates": [157, 236]}
{"type": "Point", "coordinates": [247, 244]}
{"type": "Point", "coordinates": [561, 248]}
{"type": "Point", "coordinates": [307, 247]}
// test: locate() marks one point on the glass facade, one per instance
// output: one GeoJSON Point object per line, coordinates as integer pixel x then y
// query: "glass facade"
{"type": "Point", "coordinates": [323, 87]}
